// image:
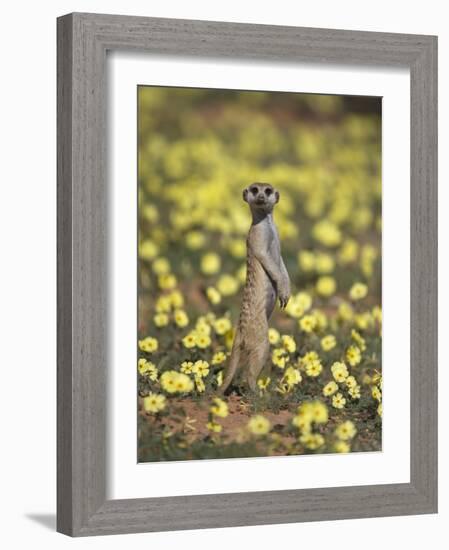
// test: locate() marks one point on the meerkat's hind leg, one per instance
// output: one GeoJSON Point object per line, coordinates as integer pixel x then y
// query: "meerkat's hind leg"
{"type": "Point", "coordinates": [257, 360]}
{"type": "Point", "coordinates": [234, 363]}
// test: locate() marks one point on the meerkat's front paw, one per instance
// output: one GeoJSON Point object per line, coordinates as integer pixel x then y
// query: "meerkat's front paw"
{"type": "Point", "coordinates": [284, 296]}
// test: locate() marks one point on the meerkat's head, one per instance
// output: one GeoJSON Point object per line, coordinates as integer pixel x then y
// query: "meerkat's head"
{"type": "Point", "coordinates": [261, 196]}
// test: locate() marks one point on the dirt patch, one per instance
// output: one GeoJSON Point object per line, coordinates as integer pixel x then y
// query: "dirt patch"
{"type": "Point", "coordinates": [193, 421]}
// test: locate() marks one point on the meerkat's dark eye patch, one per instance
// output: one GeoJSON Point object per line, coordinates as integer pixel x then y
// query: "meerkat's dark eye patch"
{"type": "Point", "coordinates": [254, 190]}
{"type": "Point", "coordinates": [268, 191]}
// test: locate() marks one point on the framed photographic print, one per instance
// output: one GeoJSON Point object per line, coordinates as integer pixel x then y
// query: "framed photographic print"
{"type": "Point", "coordinates": [247, 280]}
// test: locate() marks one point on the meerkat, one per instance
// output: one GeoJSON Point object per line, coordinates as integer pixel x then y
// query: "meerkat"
{"type": "Point", "coordinates": [266, 280]}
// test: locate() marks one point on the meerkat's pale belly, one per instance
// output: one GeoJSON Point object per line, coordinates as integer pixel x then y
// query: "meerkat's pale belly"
{"type": "Point", "coordinates": [259, 293]}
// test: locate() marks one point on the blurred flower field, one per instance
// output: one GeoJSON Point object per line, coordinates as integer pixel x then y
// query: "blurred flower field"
{"type": "Point", "coordinates": [322, 391]}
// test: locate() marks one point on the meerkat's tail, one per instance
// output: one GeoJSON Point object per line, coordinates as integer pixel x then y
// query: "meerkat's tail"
{"type": "Point", "coordinates": [233, 365]}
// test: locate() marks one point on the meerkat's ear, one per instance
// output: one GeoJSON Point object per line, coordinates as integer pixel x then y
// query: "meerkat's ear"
{"type": "Point", "coordinates": [276, 195]}
{"type": "Point", "coordinates": [245, 194]}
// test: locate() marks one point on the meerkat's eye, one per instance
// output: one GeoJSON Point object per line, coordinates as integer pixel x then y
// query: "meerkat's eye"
{"type": "Point", "coordinates": [254, 190]}
{"type": "Point", "coordinates": [268, 191]}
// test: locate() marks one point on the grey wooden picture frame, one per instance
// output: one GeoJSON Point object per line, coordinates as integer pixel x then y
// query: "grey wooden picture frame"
{"type": "Point", "coordinates": [83, 41]}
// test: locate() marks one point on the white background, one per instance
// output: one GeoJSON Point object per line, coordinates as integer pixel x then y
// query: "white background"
{"type": "Point", "coordinates": [131, 480]}
{"type": "Point", "coordinates": [27, 300]}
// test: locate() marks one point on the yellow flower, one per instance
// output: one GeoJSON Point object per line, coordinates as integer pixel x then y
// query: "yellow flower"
{"type": "Point", "coordinates": [186, 367]}
{"type": "Point", "coordinates": [327, 233]}
{"type": "Point", "coordinates": [237, 247]}
{"type": "Point", "coordinates": [328, 342]}
{"type": "Point", "coordinates": [379, 410]}
{"type": "Point", "coordinates": [319, 412]}
{"type": "Point", "coordinates": [229, 339]}
{"type": "Point", "coordinates": [298, 305]}
{"type": "Point", "coordinates": [203, 341]}
{"type": "Point", "coordinates": [326, 286]}
{"type": "Point", "coordinates": [376, 393]}
{"type": "Point", "coordinates": [345, 312]}
{"type": "Point", "coordinates": [342, 447]}
{"type": "Point", "coordinates": [367, 380]}
{"type": "Point", "coordinates": [307, 323]}
{"type": "Point", "coordinates": [288, 343]}
{"type": "Point", "coordinates": [201, 368]}
{"type": "Point", "coordinates": [259, 425]}
{"type": "Point", "coordinates": [309, 357]}
{"type": "Point", "coordinates": [358, 291]}
{"type": "Point", "coordinates": [353, 355]}
{"type": "Point", "coordinates": [376, 378]}
{"type": "Point", "coordinates": [377, 314]}
{"type": "Point", "coordinates": [355, 392]}
{"type": "Point", "coordinates": [214, 427]}
{"type": "Point", "coordinates": [304, 300]}
{"type": "Point", "coordinates": [310, 411]}
{"type": "Point", "coordinates": [339, 371]}
{"type": "Point", "coordinates": [200, 386]}
{"type": "Point", "coordinates": [279, 358]}
{"type": "Point", "coordinates": [219, 408]}
{"type": "Point", "coordinates": [195, 240]}
{"type": "Point", "coordinates": [148, 250]}
{"type": "Point", "coordinates": [153, 403]}
{"type": "Point", "coordinates": [263, 383]}
{"type": "Point", "coordinates": [351, 382]}
{"type": "Point", "coordinates": [227, 285]}
{"type": "Point", "coordinates": [358, 339]}
{"type": "Point", "coordinates": [202, 326]}
{"type": "Point", "coordinates": [348, 251]}
{"type": "Point", "coordinates": [303, 422]}
{"type": "Point", "coordinates": [219, 378]}
{"type": "Point", "coordinates": [294, 308]}
{"type": "Point", "coordinates": [163, 304]}
{"type": "Point", "coordinates": [364, 320]}
{"type": "Point", "coordinates": [181, 318]}
{"type": "Point", "coordinates": [148, 344]}
{"type": "Point", "coordinates": [160, 319]}
{"type": "Point", "coordinates": [306, 260]}
{"type": "Point", "coordinates": [161, 266]}
{"type": "Point", "coordinates": [330, 388]}
{"type": "Point", "coordinates": [210, 263]}
{"type": "Point", "coordinates": [167, 281]}
{"type": "Point", "coordinates": [213, 295]}
{"type": "Point", "coordinates": [292, 376]}
{"type": "Point", "coordinates": [176, 299]}
{"type": "Point", "coordinates": [321, 319]}
{"type": "Point", "coordinates": [146, 368]}
{"type": "Point", "coordinates": [222, 325]}
{"type": "Point", "coordinates": [324, 263]}
{"type": "Point", "coordinates": [314, 368]}
{"type": "Point", "coordinates": [183, 383]}
{"type": "Point", "coordinates": [150, 213]}
{"type": "Point", "coordinates": [338, 401]}
{"type": "Point", "coordinates": [168, 381]}
{"type": "Point", "coordinates": [273, 336]}
{"type": "Point", "coordinates": [346, 430]}
{"type": "Point", "coordinates": [189, 341]}
{"type": "Point", "coordinates": [362, 218]}
{"type": "Point", "coordinates": [218, 358]}
{"type": "Point", "coordinates": [312, 441]}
